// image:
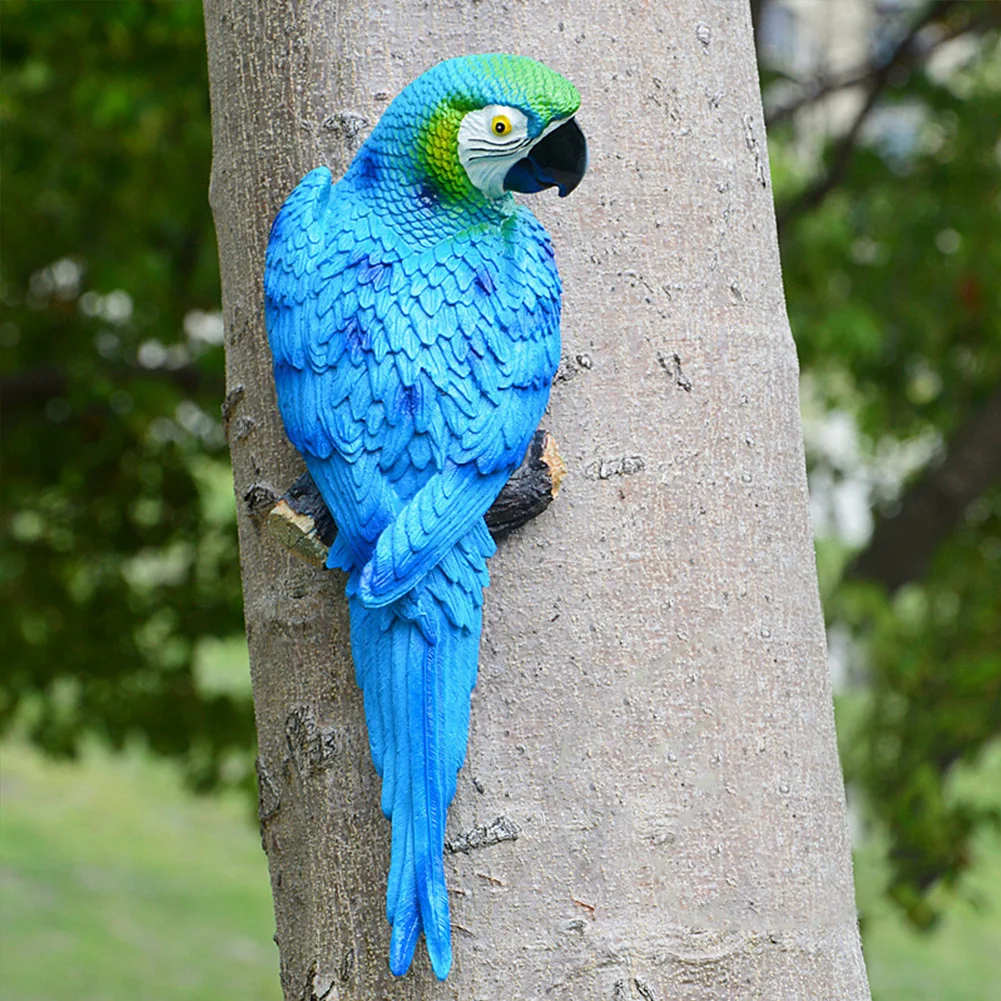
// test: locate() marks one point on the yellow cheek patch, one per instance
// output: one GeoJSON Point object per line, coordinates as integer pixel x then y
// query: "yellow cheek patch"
{"type": "Point", "coordinates": [439, 144]}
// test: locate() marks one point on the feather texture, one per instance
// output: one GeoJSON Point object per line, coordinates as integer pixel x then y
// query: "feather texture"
{"type": "Point", "coordinates": [415, 339]}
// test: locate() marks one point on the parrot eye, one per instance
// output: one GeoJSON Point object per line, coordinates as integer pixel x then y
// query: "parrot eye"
{"type": "Point", "coordinates": [490, 140]}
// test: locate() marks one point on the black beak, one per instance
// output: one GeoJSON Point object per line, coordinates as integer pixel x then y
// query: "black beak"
{"type": "Point", "coordinates": [559, 160]}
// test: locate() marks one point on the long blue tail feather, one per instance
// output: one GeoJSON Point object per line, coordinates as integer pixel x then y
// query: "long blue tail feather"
{"type": "Point", "coordinates": [406, 918]}
{"type": "Point", "coordinates": [428, 761]}
{"type": "Point", "coordinates": [416, 660]}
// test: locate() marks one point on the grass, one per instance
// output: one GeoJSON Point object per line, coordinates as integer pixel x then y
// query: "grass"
{"type": "Point", "coordinates": [959, 961]}
{"type": "Point", "coordinates": [119, 884]}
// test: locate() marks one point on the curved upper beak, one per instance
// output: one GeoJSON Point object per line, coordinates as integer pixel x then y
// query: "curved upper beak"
{"type": "Point", "coordinates": [558, 160]}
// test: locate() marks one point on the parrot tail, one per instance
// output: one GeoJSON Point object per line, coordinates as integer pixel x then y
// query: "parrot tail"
{"type": "Point", "coordinates": [416, 661]}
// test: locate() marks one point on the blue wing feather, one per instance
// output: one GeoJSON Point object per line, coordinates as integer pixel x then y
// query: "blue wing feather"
{"type": "Point", "coordinates": [411, 381]}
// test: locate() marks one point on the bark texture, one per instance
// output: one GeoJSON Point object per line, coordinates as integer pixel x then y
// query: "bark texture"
{"type": "Point", "coordinates": [651, 806]}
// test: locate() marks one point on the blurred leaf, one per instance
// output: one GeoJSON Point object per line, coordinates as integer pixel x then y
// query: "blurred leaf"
{"type": "Point", "coordinates": [895, 304]}
{"type": "Point", "coordinates": [120, 558]}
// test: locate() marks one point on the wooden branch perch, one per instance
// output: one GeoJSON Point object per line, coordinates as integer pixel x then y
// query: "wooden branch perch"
{"type": "Point", "coordinates": [301, 522]}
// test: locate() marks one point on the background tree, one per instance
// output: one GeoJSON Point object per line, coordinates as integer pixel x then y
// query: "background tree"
{"type": "Point", "coordinates": [891, 253]}
{"type": "Point", "coordinates": [653, 716]}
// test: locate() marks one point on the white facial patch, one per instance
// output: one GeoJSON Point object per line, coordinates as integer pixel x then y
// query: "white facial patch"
{"type": "Point", "coordinates": [486, 153]}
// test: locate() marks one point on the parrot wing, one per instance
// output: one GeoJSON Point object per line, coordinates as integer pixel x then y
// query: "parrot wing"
{"type": "Point", "coordinates": [394, 367]}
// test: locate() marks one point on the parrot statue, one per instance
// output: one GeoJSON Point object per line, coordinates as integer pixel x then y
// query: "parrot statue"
{"type": "Point", "coordinates": [413, 315]}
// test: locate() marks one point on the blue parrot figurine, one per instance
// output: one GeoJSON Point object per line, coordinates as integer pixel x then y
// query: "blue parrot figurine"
{"type": "Point", "coordinates": [413, 313]}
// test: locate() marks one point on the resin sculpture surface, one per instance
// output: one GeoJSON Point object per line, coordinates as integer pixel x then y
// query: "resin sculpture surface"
{"type": "Point", "coordinates": [413, 315]}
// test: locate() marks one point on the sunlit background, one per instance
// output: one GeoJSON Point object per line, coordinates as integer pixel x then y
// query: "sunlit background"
{"type": "Point", "coordinates": [131, 864]}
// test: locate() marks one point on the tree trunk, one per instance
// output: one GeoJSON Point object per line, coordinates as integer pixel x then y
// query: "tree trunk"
{"type": "Point", "coordinates": [653, 715]}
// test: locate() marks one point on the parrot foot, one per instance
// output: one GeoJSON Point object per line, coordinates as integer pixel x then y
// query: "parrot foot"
{"type": "Point", "coordinates": [301, 523]}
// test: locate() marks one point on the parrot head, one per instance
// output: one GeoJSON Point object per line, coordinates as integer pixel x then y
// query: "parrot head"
{"type": "Point", "coordinates": [524, 138]}
{"type": "Point", "coordinates": [479, 127]}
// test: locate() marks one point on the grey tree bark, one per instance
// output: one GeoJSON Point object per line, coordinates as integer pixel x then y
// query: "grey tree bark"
{"type": "Point", "coordinates": [653, 714]}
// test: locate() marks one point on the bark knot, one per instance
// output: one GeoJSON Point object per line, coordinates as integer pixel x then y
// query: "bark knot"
{"type": "Point", "coordinates": [500, 830]}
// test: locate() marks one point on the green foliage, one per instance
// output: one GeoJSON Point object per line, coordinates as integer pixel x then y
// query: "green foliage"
{"type": "Point", "coordinates": [120, 887]}
{"type": "Point", "coordinates": [960, 961]}
{"type": "Point", "coordinates": [933, 653]}
{"type": "Point", "coordinates": [119, 558]}
{"type": "Point", "coordinates": [893, 279]}
{"type": "Point", "coordinates": [893, 292]}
